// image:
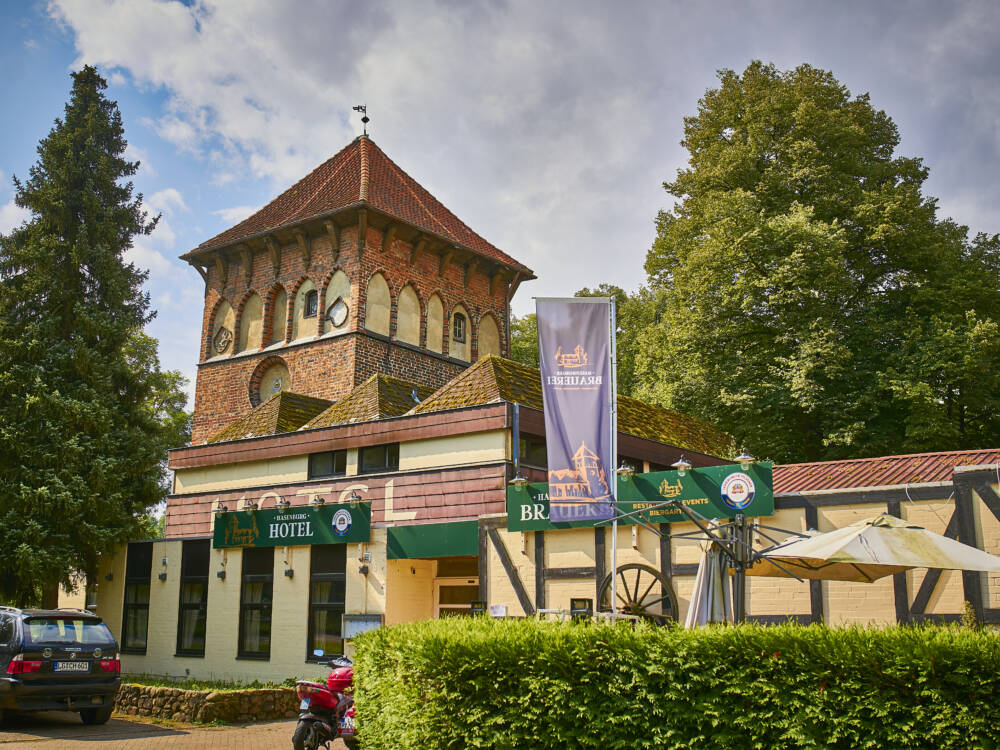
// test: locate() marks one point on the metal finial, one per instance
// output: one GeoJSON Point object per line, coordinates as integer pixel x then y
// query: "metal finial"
{"type": "Point", "coordinates": [363, 109]}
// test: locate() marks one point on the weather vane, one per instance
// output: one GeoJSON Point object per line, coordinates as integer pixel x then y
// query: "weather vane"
{"type": "Point", "coordinates": [363, 109]}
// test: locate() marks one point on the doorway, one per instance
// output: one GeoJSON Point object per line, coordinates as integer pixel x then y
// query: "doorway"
{"type": "Point", "coordinates": [456, 586]}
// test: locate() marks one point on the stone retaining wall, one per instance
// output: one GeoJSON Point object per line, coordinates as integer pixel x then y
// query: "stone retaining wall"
{"type": "Point", "coordinates": [235, 706]}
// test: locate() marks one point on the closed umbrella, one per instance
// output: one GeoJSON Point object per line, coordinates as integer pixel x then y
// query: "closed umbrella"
{"type": "Point", "coordinates": [711, 599]}
{"type": "Point", "coordinates": [868, 550]}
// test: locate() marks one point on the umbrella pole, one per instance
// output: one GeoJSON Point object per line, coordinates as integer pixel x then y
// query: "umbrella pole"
{"type": "Point", "coordinates": [740, 558]}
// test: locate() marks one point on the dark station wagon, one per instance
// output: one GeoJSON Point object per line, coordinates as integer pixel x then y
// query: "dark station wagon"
{"type": "Point", "coordinates": [58, 660]}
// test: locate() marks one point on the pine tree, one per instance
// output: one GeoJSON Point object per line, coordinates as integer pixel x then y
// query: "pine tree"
{"type": "Point", "coordinates": [86, 414]}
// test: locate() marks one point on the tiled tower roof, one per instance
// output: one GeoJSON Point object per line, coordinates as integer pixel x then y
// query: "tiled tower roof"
{"type": "Point", "coordinates": [360, 175]}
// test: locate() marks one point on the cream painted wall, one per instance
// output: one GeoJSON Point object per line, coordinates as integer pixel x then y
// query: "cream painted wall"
{"type": "Point", "coordinates": [225, 317]}
{"type": "Point", "coordinates": [435, 325]}
{"type": "Point", "coordinates": [366, 594]}
{"type": "Point", "coordinates": [339, 286]}
{"type": "Point", "coordinates": [279, 317]}
{"type": "Point", "coordinates": [989, 529]}
{"type": "Point", "coordinates": [251, 324]}
{"type": "Point", "coordinates": [450, 451]}
{"type": "Point", "coordinates": [378, 303]}
{"type": "Point", "coordinates": [489, 337]}
{"type": "Point", "coordinates": [303, 327]}
{"type": "Point", "coordinates": [408, 317]}
{"type": "Point", "coordinates": [779, 596]}
{"type": "Point", "coordinates": [248, 474]}
{"type": "Point", "coordinates": [409, 590]}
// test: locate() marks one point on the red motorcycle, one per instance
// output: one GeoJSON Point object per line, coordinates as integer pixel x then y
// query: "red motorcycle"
{"type": "Point", "coordinates": [326, 711]}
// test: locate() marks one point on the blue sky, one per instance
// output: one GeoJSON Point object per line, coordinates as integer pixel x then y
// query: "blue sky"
{"type": "Point", "coordinates": [547, 127]}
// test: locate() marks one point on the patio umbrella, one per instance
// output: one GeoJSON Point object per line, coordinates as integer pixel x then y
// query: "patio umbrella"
{"type": "Point", "coordinates": [711, 599]}
{"type": "Point", "coordinates": [870, 549]}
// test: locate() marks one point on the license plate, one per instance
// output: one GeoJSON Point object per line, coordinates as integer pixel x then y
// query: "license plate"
{"type": "Point", "coordinates": [72, 666]}
{"type": "Point", "coordinates": [304, 704]}
{"type": "Point", "coordinates": [347, 724]}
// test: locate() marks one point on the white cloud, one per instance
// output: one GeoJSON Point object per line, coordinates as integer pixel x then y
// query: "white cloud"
{"type": "Point", "coordinates": [135, 153]}
{"type": "Point", "coordinates": [11, 216]}
{"type": "Point", "coordinates": [145, 256]}
{"type": "Point", "coordinates": [168, 201]}
{"type": "Point", "coordinates": [235, 214]}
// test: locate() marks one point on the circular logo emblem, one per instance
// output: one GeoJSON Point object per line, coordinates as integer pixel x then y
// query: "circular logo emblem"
{"type": "Point", "coordinates": [738, 490]}
{"type": "Point", "coordinates": [341, 522]}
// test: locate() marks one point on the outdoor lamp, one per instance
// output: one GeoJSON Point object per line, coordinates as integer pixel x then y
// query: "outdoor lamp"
{"type": "Point", "coordinates": [318, 501]}
{"type": "Point", "coordinates": [354, 498]}
{"type": "Point", "coordinates": [519, 482]}
{"type": "Point", "coordinates": [626, 471]}
{"type": "Point", "coordinates": [682, 465]}
{"type": "Point", "coordinates": [745, 460]}
{"type": "Point", "coordinates": [220, 509]}
{"type": "Point", "coordinates": [283, 503]}
{"type": "Point", "coordinates": [250, 506]}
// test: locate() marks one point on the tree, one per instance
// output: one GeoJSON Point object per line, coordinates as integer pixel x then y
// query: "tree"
{"type": "Point", "coordinates": [524, 339]}
{"type": "Point", "coordinates": [808, 299]}
{"type": "Point", "coordinates": [86, 414]}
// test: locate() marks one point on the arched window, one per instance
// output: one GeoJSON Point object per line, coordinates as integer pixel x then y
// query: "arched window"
{"type": "Point", "coordinates": [459, 324]}
{"type": "Point", "coordinates": [311, 304]}
{"type": "Point", "coordinates": [461, 341]}
{"type": "Point", "coordinates": [304, 323]}
{"type": "Point", "coordinates": [279, 316]}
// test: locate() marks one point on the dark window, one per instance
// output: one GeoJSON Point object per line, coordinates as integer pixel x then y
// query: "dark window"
{"type": "Point", "coordinates": [6, 631]}
{"type": "Point", "coordinates": [458, 326]}
{"type": "Point", "coordinates": [532, 451]}
{"type": "Point", "coordinates": [326, 598]}
{"type": "Point", "coordinates": [329, 464]}
{"type": "Point", "coordinates": [458, 567]}
{"type": "Point", "coordinates": [135, 618]}
{"type": "Point", "coordinates": [193, 609]}
{"type": "Point", "coordinates": [377, 458]}
{"type": "Point", "coordinates": [255, 603]}
{"type": "Point", "coordinates": [312, 303]}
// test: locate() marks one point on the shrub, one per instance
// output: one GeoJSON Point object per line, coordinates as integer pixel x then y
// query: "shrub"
{"type": "Point", "coordinates": [529, 684]}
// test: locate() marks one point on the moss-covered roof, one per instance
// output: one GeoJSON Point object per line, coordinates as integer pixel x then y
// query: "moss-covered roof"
{"type": "Point", "coordinates": [378, 397]}
{"type": "Point", "coordinates": [493, 379]}
{"type": "Point", "coordinates": [282, 412]}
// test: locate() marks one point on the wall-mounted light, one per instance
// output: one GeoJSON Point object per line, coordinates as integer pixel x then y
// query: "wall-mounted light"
{"type": "Point", "coordinates": [162, 576]}
{"type": "Point", "coordinates": [289, 573]}
{"type": "Point", "coordinates": [745, 460]}
{"type": "Point", "coordinates": [221, 575]}
{"type": "Point", "coordinates": [252, 505]}
{"type": "Point", "coordinates": [109, 576]}
{"type": "Point", "coordinates": [682, 465]}
{"type": "Point", "coordinates": [283, 503]}
{"type": "Point", "coordinates": [354, 498]}
{"type": "Point", "coordinates": [220, 509]}
{"type": "Point", "coordinates": [625, 471]}
{"type": "Point", "coordinates": [519, 482]}
{"type": "Point", "coordinates": [318, 501]}
{"type": "Point", "coordinates": [363, 570]}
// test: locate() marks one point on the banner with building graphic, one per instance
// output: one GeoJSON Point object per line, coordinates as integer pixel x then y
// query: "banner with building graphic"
{"type": "Point", "coordinates": [574, 356]}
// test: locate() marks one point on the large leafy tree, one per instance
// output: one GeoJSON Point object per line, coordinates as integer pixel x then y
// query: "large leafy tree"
{"type": "Point", "coordinates": [807, 297]}
{"type": "Point", "coordinates": [86, 413]}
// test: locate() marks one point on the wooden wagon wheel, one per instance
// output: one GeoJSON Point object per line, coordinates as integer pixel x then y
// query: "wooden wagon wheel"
{"type": "Point", "coordinates": [640, 590]}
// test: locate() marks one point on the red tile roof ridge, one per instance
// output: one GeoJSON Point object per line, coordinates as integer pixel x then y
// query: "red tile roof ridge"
{"type": "Point", "coordinates": [365, 173]}
{"type": "Point", "coordinates": [969, 452]}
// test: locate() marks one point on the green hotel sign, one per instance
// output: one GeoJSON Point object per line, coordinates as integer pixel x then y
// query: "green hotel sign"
{"type": "Point", "coordinates": [286, 527]}
{"type": "Point", "coordinates": [712, 492]}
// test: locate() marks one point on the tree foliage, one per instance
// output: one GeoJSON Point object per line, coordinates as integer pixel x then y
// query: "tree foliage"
{"type": "Point", "coordinates": [804, 295]}
{"type": "Point", "coordinates": [86, 413]}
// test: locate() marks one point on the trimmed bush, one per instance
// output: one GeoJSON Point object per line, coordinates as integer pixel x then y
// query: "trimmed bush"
{"type": "Point", "coordinates": [528, 684]}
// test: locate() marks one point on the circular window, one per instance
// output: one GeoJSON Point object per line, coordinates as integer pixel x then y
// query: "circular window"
{"type": "Point", "coordinates": [270, 377]}
{"type": "Point", "coordinates": [337, 313]}
{"type": "Point", "coordinates": [222, 340]}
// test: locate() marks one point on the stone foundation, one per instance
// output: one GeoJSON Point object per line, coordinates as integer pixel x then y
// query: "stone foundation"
{"type": "Point", "coordinates": [233, 706]}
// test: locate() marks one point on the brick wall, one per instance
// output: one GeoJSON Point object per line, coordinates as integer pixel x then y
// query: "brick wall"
{"type": "Point", "coordinates": [328, 367]}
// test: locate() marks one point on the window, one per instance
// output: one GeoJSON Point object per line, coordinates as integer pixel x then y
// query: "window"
{"type": "Point", "coordinates": [255, 603]}
{"type": "Point", "coordinates": [377, 458]}
{"type": "Point", "coordinates": [193, 608]}
{"type": "Point", "coordinates": [329, 464]}
{"type": "Point", "coordinates": [326, 598]}
{"type": "Point", "coordinates": [312, 303]}
{"type": "Point", "coordinates": [135, 618]}
{"type": "Point", "coordinates": [6, 631]}
{"type": "Point", "coordinates": [532, 450]}
{"type": "Point", "coordinates": [458, 327]}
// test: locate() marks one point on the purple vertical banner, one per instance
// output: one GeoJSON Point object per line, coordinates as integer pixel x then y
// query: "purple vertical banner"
{"type": "Point", "coordinates": [574, 355]}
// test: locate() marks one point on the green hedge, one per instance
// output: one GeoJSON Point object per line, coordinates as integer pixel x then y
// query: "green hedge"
{"type": "Point", "coordinates": [527, 684]}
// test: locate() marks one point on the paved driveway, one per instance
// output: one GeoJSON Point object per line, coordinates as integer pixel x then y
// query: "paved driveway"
{"type": "Point", "coordinates": [57, 730]}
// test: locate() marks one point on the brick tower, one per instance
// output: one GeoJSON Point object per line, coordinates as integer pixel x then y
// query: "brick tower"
{"type": "Point", "coordinates": [355, 269]}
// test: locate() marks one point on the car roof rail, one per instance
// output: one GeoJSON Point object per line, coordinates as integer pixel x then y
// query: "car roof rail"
{"type": "Point", "coordinates": [73, 609]}
{"type": "Point", "coordinates": [9, 609]}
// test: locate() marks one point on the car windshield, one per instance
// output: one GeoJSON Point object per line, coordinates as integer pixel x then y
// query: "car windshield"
{"type": "Point", "coordinates": [65, 630]}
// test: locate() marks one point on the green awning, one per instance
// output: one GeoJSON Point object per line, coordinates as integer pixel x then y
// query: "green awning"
{"type": "Point", "coordinates": [456, 539]}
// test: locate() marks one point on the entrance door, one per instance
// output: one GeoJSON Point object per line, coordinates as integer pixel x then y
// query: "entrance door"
{"type": "Point", "coordinates": [456, 586]}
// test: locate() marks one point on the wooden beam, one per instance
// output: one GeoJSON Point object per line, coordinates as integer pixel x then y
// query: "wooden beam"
{"type": "Point", "coordinates": [331, 233]}
{"type": "Point", "coordinates": [815, 587]}
{"type": "Point", "coordinates": [362, 231]}
{"type": "Point", "coordinates": [202, 271]}
{"type": "Point", "coordinates": [305, 247]}
{"type": "Point", "coordinates": [222, 267]}
{"type": "Point", "coordinates": [445, 260]}
{"type": "Point", "coordinates": [933, 575]}
{"type": "Point", "coordinates": [418, 247]}
{"type": "Point", "coordinates": [539, 569]}
{"type": "Point", "coordinates": [388, 236]}
{"type": "Point", "coordinates": [246, 257]}
{"type": "Point", "coordinates": [511, 571]}
{"type": "Point", "coordinates": [900, 596]}
{"type": "Point", "coordinates": [666, 561]}
{"type": "Point", "coordinates": [972, 580]}
{"type": "Point", "coordinates": [274, 250]}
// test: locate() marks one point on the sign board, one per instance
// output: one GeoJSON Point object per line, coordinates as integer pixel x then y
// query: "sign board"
{"type": "Point", "coordinates": [712, 491]}
{"type": "Point", "coordinates": [281, 527]}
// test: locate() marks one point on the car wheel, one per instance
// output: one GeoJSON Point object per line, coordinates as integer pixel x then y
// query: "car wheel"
{"type": "Point", "coordinates": [96, 715]}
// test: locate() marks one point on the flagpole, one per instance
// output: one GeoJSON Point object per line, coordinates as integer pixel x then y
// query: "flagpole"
{"type": "Point", "coordinates": [614, 464]}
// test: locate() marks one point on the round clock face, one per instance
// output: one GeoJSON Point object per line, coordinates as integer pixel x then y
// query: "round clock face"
{"type": "Point", "coordinates": [222, 339]}
{"type": "Point", "coordinates": [337, 313]}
